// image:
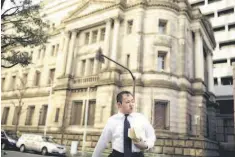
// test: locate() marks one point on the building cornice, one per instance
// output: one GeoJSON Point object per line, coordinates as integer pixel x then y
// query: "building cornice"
{"type": "Point", "coordinates": [123, 7]}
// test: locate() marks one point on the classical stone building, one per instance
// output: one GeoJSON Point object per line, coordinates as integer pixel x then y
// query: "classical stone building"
{"type": "Point", "coordinates": [165, 43]}
{"type": "Point", "coordinates": [221, 14]}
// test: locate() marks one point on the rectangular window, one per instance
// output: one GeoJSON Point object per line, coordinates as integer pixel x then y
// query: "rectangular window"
{"type": "Point", "coordinates": [198, 4]}
{"type": "Point", "coordinates": [189, 118]}
{"type": "Point", "coordinates": [226, 11]}
{"type": "Point", "coordinates": [51, 76]}
{"type": "Point", "coordinates": [129, 26]}
{"type": "Point", "coordinates": [76, 115]}
{"type": "Point", "coordinates": [53, 50]}
{"type": "Point", "coordinates": [212, 1]}
{"type": "Point", "coordinates": [94, 36]}
{"type": "Point", "coordinates": [232, 60]}
{"type": "Point", "coordinates": [231, 27]}
{"type": "Point", "coordinates": [13, 82]}
{"type": "Point", "coordinates": [215, 81]}
{"type": "Point", "coordinates": [38, 78]}
{"type": "Point", "coordinates": [16, 115]}
{"type": "Point", "coordinates": [225, 44]}
{"type": "Point", "coordinates": [161, 115]}
{"type": "Point", "coordinates": [29, 115]}
{"type": "Point", "coordinates": [128, 61]}
{"type": "Point", "coordinates": [83, 67]}
{"type": "Point", "coordinates": [87, 36]}
{"type": "Point", "coordinates": [91, 113]}
{"type": "Point", "coordinates": [220, 61]}
{"type": "Point", "coordinates": [219, 28]}
{"type": "Point", "coordinates": [91, 66]}
{"type": "Point", "coordinates": [43, 115]}
{"type": "Point", "coordinates": [3, 84]}
{"type": "Point", "coordinates": [162, 26]}
{"type": "Point", "coordinates": [102, 34]}
{"type": "Point", "coordinates": [161, 60]}
{"type": "Point", "coordinates": [210, 15]}
{"type": "Point", "coordinates": [5, 115]}
{"type": "Point", "coordinates": [227, 80]}
{"type": "Point", "coordinates": [57, 114]}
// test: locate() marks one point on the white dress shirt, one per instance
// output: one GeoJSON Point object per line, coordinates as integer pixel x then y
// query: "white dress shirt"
{"type": "Point", "coordinates": [113, 131]}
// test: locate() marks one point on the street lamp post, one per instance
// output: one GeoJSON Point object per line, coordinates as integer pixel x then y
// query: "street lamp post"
{"type": "Point", "coordinates": [100, 57]}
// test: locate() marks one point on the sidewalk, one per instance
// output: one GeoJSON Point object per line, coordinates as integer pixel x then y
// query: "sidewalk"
{"type": "Point", "coordinates": [79, 154]}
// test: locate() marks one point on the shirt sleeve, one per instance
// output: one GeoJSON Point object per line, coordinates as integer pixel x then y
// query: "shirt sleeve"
{"type": "Point", "coordinates": [150, 134]}
{"type": "Point", "coordinates": [104, 139]}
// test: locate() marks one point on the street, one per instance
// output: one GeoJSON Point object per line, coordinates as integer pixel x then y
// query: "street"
{"type": "Point", "coordinates": [14, 153]}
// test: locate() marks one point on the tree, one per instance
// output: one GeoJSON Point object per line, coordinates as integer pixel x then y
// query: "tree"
{"type": "Point", "coordinates": [19, 94]}
{"type": "Point", "coordinates": [22, 26]}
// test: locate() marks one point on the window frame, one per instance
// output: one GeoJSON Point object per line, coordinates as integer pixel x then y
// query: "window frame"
{"type": "Point", "coordinates": [29, 121]}
{"type": "Point", "coordinates": [129, 28]}
{"type": "Point", "coordinates": [163, 54]}
{"type": "Point", "coordinates": [165, 26]}
{"type": "Point", "coordinates": [5, 115]}
{"type": "Point", "coordinates": [102, 34]}
{"type": "Point", "coordinates": [167, 116]}
{"type": "Point", "coordinates": [94, 36]}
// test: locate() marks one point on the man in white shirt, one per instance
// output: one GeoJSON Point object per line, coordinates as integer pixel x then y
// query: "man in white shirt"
{"type": "Point", "coordinates": [116, 130]}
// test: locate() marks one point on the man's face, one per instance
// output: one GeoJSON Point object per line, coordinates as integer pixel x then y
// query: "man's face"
{"type": "Point", "coordinates": [127, 105]}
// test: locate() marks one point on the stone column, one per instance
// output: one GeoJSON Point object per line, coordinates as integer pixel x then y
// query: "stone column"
{"type": "Point", "coordinates": [31, 77]}
{"type": "Point", "coordinates": [45, 76]}
{"type": "Point", "coordinates": [78, 68]}
{"type": "Point", "coordinates": [64, 56]}
{"type": "Point", "coordinates": [87, 67]}
{"type": "Point", "coordinates": [59, 57]}
{"type": "Point", "coordinates": [139, 31]}
{"type": "Point", "coordinates": [228, 62]}
{"type": "Point", "coordinates": [115, 41]}
{"type": "Point", "coordinates": [107, 42]}
{"type": "Point", "coordinates": [210, 72]}
{"type": "Point", "coordinates": [96, 66]}
{"type": "Point", "coordinates": [219, 81]}
{"type": "Point", "coordinates": [199, 61]}
{"type": "Point", "coordinates": [43, 52]}
{"type": "Point", "coordinates": [182, 58]}
{"type": "Point", "coordinates": [71, 53]}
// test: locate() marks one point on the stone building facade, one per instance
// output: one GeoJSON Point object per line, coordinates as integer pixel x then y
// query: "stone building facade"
{"type": "Point", "coordinates": [165, 43]}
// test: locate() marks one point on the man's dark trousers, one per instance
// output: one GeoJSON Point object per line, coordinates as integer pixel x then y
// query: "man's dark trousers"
{"type": "Point", "coordinates": [118, 154]}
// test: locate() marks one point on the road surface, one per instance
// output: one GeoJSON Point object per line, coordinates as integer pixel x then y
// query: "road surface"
{"type": "Point", "coordinates": [13, 153]}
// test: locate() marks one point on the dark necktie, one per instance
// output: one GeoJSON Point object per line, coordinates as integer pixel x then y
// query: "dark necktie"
{"type": "Point", "coordinates": [127, 140]}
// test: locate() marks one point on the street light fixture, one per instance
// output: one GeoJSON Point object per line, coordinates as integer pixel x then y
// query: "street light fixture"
{"type": "Point", "coordinates": [100, 57]}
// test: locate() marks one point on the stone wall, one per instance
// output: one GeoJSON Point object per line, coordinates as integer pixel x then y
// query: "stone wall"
{"type": "Point", "coordinates": [166, 145]}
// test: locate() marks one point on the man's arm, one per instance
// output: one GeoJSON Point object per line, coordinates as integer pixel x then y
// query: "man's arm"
{"type": "Point", "coordinates": [104, 139]}
{"type": "Point", "coordinates": [150, 135]}
{"type": "Point", "coordinates": [149, 141]}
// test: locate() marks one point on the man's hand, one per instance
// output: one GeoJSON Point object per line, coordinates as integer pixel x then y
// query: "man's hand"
{"type": "Point", "coordinates": [142, 145]}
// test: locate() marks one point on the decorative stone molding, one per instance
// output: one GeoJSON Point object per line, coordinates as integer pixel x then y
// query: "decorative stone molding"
{"type": "Point", "coordinates": [163, 40]}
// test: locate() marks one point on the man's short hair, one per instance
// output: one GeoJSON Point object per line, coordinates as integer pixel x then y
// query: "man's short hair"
{"type": "Point", "coordinates": [119, 96]}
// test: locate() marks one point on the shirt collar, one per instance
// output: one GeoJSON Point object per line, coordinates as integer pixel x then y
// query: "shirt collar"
{"type": "Point", "coordinates": [122, 115]}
